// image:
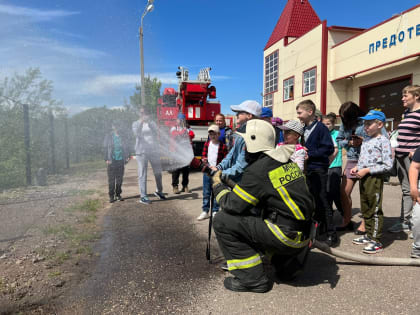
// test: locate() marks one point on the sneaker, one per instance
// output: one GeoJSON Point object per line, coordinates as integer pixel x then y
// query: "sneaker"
{"type": "Point", "coordinates": [411, 236]}
{"type": "Point", "coordinates": [160, 195]}
{"type": "Point", "coordinates": [214, 213]}
{"type": "Point", "coordinates": [119, 198]}
{"type": "Point", "coordinates": [204, 215]}
{"type": "Point", "coordinates": [185, 189]}
{"type": "Point", "coordinates": [373, 248]}
{"type": "Point", "coordinates": [111, 199]}
{"type": "Point", "coordinates": [176, 190]}
{"type": "Point", "coordinates": [399, 227]}
{"type": "Point", "coordinates": [234, 284]}
{"type": "Point", "coordinates": [362, 240]}
{"type": "Point", "coordinates": [414, 255]}
{"type": "Point", "coordinates": [145, 200]}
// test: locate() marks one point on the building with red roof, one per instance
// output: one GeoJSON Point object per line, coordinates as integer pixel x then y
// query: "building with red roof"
{"type": "Point", "coordinates": [304, 58]}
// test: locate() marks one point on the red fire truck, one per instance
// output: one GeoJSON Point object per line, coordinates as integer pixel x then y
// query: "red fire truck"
{"type": "Point", "coordinates": [195, 99]}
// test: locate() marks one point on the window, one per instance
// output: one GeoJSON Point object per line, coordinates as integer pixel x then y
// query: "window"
{"type": "Point", "coordinates": [271, 72]}
{"type": "Point", "coordinates": [268, 100]}
{"type": "Point", "coordinates": [309, 81]}
{"type": "Point", "coordinates": [288, 88]}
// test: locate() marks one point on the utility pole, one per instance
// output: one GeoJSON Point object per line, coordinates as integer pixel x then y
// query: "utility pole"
{"type": "Point", "coordinates": [149, 8]}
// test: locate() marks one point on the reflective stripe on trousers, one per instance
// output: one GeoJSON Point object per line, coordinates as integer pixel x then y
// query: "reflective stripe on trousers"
{"type": "Point", "coordinates": [278, 233]}
{"type": "Point", "coordinates": [244, 263]}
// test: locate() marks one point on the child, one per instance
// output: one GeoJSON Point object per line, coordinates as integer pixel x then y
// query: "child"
{"type": "Point", "coordinates": [375, 159]}
{"type": "Point", "coordinates": [116, 156]}
{"type": "Point", "coordinates": [319, 146]}
{"type": "Point", "coordinates": [214, 152]}
{"type": "Point", "coordinates": [413, 175]}
{"type": "Point", "coordinates": [334, 170]}
{"type": "Point", "coordinates": [293, 130]}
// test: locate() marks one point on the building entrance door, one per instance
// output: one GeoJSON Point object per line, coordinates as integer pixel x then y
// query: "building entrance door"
{"type": "Point", "coordinates": [386, 97]}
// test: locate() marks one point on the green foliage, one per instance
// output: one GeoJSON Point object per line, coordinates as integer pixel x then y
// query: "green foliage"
{"type": "Point", "coordinates": [152, 93]}
{"type": "Point", "coordinates": [82, 135]}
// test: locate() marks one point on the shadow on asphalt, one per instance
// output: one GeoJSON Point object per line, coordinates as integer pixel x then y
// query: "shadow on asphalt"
{"type": "Point", "coordinates": [320, 268]}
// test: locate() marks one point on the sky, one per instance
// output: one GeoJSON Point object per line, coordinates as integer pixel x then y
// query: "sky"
{"type": "Point", "coordinates": [90, 49]}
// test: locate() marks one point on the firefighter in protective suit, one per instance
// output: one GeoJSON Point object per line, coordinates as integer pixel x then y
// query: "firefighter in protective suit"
{"type": "Point", "coordinates": [268, 212]}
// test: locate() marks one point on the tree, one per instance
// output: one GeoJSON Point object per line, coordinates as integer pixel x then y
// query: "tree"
{"type": "Point", "coordinates": [29, 88]}
{"type": "Point", "coordinates": [35, 92]}
{"type": "Point", "coordinates": [152, 93]}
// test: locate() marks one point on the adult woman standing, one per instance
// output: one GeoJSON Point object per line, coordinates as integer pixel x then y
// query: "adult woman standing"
{"type": "Point", "coordinates": [146, 133]}
{"type": "Point", "coordinates": [408, 141]}
{"type": "Point", "coordinates": [226, 134]}
{"type": "Point", "coordinates": [350, 137]}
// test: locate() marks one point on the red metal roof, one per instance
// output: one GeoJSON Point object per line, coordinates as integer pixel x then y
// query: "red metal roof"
{"type": "Point", "coordinates": [297, 18]}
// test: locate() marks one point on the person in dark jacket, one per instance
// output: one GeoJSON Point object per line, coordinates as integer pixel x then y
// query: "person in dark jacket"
{"type": "Point", "coordinates": [116, 156]}
{"type": "Point", "coordinates": [319, 146]}
{"type": "Point", "coordinates": [226, 133]}
{"type": "Point", "coordinates": [269, 211]}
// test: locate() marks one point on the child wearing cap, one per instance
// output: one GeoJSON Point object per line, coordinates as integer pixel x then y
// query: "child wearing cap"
{"type": "Point", "coordinates": [374, 161]}
{"type": "Point", "coordinates": [214, 152]}
{"type": "Point", "coordinates": [293, 130]}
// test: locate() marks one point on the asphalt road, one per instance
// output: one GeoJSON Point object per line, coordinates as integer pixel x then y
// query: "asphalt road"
{"type": "Point", "coordinates": [152, 261]}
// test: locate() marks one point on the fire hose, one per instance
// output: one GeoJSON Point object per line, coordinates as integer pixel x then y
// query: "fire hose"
{"type": "Point", "coordinates": [322, 246]}
{"type": "Point", "coordinates": [367, 260]}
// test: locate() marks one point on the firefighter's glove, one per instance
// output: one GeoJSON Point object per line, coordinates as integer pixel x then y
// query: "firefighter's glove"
{"type": "Point", "coordinates": [217, 178]}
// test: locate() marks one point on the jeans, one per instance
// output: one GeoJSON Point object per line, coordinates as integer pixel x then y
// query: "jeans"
{"type": "Point", "coordinates": [416, 227]}
{"type": "Point", "coordinates": [207, 188]}
{"type": "Point", "coordinates": [142, 162]}
{"type": "Point", "coordinates": [403, 164]}
{"type": "Point", "coordinates": [115, 172]}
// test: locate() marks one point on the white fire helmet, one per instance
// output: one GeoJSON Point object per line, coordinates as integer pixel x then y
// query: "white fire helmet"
{"type": "Point", "coordinates": [259, 136]}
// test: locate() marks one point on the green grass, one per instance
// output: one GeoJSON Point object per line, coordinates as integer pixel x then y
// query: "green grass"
{"type": "Point", "coordinates": [61, 257]}
{"type": "Point", "coordinates": [84, 250]}
{"type": "Point", "coordinates": [88, 206]}
{"type": "Point", "coordinates": [54, 274]}
{"type": "Point", "coordinates": [84, 192]}
{"type": "Point", "coordinates": [65, 231]}
{"type": "Point", "coordinates": [90, 218]}
{"type": "Point", "coordinates": [84, 168]}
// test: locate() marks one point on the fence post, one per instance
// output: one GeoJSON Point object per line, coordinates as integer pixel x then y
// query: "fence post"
{"type": "Point", "coordinates": [52, 144]}
{"type": "Point", "coordinates": [27, 143]}
{"type": "Point", "coordinates": [66, 142]}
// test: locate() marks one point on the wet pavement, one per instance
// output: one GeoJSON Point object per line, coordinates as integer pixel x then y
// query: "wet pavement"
{"type": "Point", "coordinates": [152, 261]}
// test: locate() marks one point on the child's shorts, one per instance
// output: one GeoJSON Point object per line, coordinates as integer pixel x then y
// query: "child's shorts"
{"type": "Point", "coordinates": [350, 164]}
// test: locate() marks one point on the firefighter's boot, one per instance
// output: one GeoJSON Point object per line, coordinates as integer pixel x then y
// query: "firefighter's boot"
{"type": "Point", "coordinates": [234, 284]}
{"type": "Point", "coordinates": [176, 190]}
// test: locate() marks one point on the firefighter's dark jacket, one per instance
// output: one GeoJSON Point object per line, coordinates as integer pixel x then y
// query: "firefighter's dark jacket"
{"type": "Point", "coordinates": [277, 189]}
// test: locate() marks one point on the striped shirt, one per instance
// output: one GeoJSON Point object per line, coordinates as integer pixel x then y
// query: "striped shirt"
{"type": "Point", "coordinates": [408, 133]}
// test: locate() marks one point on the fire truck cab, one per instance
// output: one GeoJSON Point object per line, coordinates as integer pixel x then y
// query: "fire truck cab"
{"type": "Point", "coordinates": [196, 99]}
